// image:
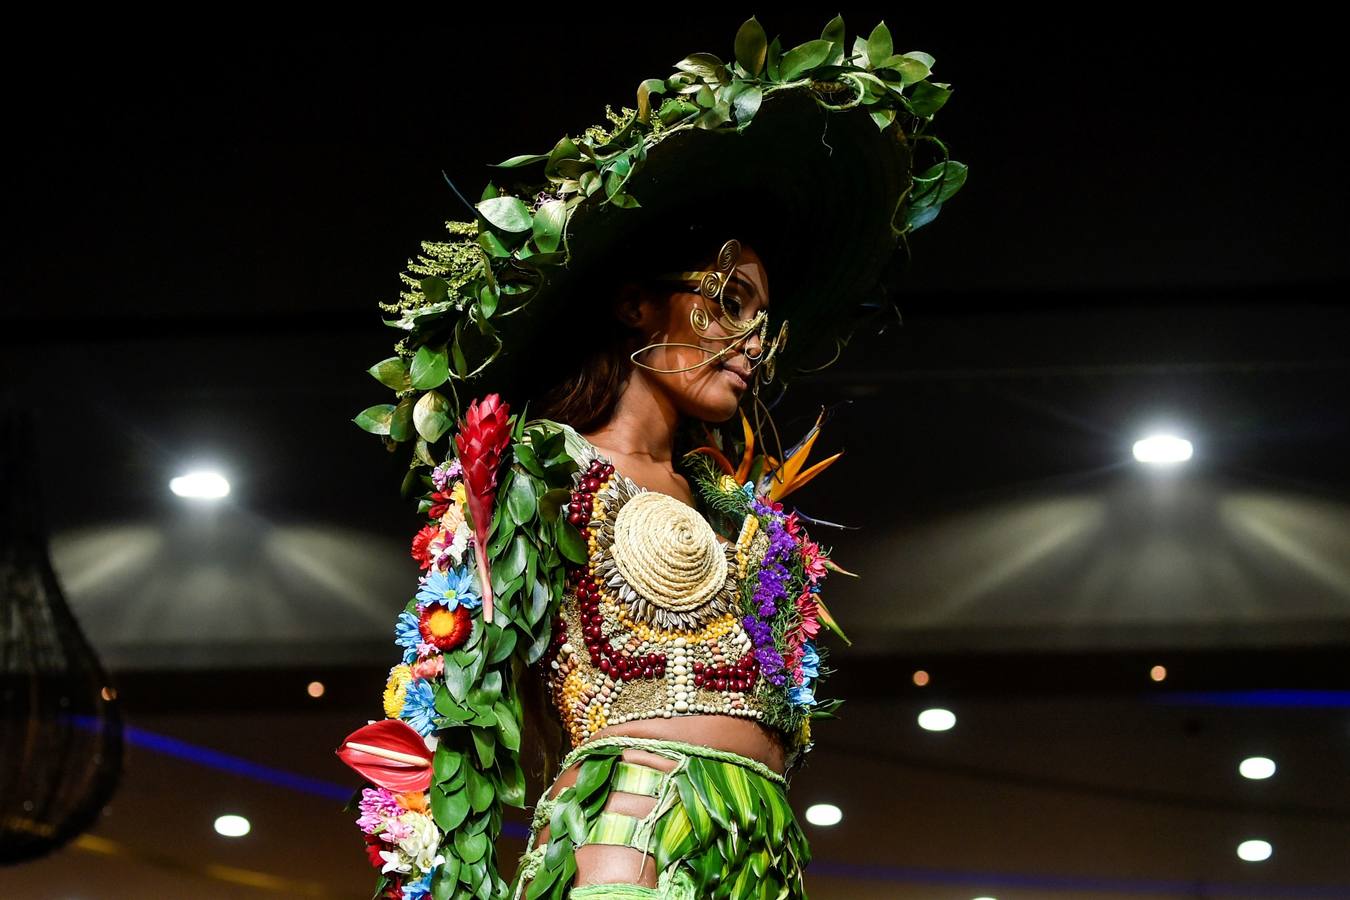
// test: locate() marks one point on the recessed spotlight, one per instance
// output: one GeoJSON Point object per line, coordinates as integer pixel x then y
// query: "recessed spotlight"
{"type": "Point", "coordinates": [1158, 673]}
{"type": "Point", "coordinates": [232, 826]}
{"type": "Point", "coordinates": [986, 898]}
{"type": "Point", "coordinates": [921, 678]}
{"type": "Point", "coordinates": [1254, 851]}
{"type": "Point", "coordinates": [937, 720]}
{"type": "Point", "coordinates": [200, 485]}
{"type": "Point", "coordinates": [315, 689]}
{"type": "Point", "coordinates": [824, 814]}
{"type": "Point", "coordinates": [1162, 449]}
{"type": "Point", "coordinates": [108, 693]}
{"type": "Point", "coordinates": [1257, 768]}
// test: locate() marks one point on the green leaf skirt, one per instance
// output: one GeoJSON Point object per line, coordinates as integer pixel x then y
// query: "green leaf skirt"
{"type": "Point", "coordinates": [721, 827]}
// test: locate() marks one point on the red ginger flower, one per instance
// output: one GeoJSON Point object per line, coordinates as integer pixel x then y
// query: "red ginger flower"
{"type": "Point", "coordinates": [483, 436]}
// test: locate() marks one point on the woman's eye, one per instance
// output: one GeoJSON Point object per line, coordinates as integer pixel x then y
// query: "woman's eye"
{"type": "Point", "coordinates": [732, 307]}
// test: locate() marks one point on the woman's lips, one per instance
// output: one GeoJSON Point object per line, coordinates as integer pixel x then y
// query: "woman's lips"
{"type": "Point", "coordinates": [737, 378]}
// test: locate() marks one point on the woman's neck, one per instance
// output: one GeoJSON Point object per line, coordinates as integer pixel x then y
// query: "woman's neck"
{"type": "Point", "coordinates": [643, 424]}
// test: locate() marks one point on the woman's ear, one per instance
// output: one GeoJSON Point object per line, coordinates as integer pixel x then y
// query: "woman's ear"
{"type": "Point", "coordinates": [628, 304]}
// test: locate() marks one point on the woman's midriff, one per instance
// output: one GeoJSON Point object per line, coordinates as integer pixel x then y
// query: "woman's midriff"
{"type": "Point", "coordinates": [603, 864]}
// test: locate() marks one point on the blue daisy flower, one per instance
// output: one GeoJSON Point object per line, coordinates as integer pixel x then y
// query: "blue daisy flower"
{"type": "Point", "coordinates": [810, 663]}
{"type": "Point", "coordinates": [458, 587]}
{"type": "Point", "coordinates": [407, 634]}
{"type": "Point", "coordinates": [800, 696]}
{"type": "Point", "coordinates": [419, 707]}
{"type": "Point", "coordinates": [416, 890]}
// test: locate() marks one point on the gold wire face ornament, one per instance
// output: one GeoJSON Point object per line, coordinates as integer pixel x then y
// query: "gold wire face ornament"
{"type": "Point", "coordinates": [736, 330]}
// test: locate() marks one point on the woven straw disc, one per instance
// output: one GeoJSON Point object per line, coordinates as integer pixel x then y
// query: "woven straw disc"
{"type": "Point", "coordinates": [667, 552]}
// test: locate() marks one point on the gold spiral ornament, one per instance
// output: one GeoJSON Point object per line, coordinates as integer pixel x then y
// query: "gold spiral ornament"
{"type": "Point", "coordinates": [728, 255]}
{"type": "Point", "coordinates": [667, 552]}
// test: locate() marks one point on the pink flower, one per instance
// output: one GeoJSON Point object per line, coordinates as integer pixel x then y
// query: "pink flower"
{"type": "Point", "coordinates": [377, 806]}
{"type": "Point", "coordinates": [396, 830]}
{"type": "Point", "coordinates": [430, 668]}
{"type": "Point", "coordinates": [814, 559]}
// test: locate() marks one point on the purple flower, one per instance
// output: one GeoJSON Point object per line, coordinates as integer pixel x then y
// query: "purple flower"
{"type": "Point", "coordinates": [377, 805]}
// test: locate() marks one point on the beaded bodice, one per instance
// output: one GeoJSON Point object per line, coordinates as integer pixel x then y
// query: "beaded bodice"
{"type": "Point", "coordinates": [650, 626]}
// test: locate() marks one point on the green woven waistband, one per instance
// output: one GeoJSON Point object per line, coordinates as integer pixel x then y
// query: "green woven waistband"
{"type": "Point", "coordinates": [672, 750]}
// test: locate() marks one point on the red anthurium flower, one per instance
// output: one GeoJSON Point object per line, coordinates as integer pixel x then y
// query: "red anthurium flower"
{"type": "Point", "coordinates": [390, 754]}
{"type": "Point", "coordinates": [445, 629]}
{"type": "Point", "coordinates": [481, 440]}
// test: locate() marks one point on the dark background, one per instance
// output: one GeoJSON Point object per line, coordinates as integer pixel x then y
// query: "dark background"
{"type": "Point", "coordinates": [1153, 234]}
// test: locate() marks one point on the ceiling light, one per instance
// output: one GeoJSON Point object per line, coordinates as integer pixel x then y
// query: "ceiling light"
{"type": "Point", "coordinates": [232, 826]}
{"type": "Point", "coordinates": [1254, 851]}
{"type": "Point", "coordinates": [200, 485]}
{"type": "Point", "coordinates": [1158, 673]}
{"type": "Point", "coordinates": [1257, 768]}
{"type": "Point", "coordinates": [1162, 449]}
{"type": "Point", "coordinates": [824, 814]}
{"type": "Point", "coordinates": [921, 678]}
{"type": "Point", "coordinates": [937, 720]}
{"type": "Point", "coordinates": [315, 689]}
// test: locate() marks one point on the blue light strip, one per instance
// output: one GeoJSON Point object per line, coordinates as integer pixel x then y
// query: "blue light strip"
{"type": "Point", "coordinates": [1271, 699]}
{"type": "Point", "coordinates": [331, 790]}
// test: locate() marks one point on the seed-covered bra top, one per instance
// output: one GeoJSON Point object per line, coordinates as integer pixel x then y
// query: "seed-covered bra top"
{"type": "Point", "coordinates": [649, 626]}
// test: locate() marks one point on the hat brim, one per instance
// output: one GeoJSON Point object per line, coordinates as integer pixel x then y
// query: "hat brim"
{"type": "Point", "coordinates": [831, 182]}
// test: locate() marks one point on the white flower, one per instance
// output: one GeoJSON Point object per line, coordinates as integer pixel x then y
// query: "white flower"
{"type": "Point", "coordinates": [394, 862]}
{"type": "Point", "coordinates": [423, 839]}
{"type": "Point", "coordinates": [460, 541]}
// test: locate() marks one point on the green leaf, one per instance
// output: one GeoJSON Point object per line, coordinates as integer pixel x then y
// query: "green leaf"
{"type": "Point", "coordinates": [752, 45]}
{"type": "Point", "coordinates": [704, 65]}
{"type": "Point", "coordinates": [435, 289]}
{"type": "Point", "coordinates": [445, 763]}
{"type": "Point", "coordinates": [470, 847]}
{"type": "Point", "coordinates": [548, 225]}
{"type": "Point", "coordinates": [375, 419]}
{"type": "Point", "coordinates": [774, 61]}
{"type": "Point", "coordinates": [644, 97]}
{"type": "Point", "coordinates": [571, 544]}
{"type": "Point", "coordinates": [927, 98]}
{"type": "Point", "coordinates": [523, 160]}
{"type": "Point", "coordinates": [524, 455]}
{"type": "Point", "coordinates": [392, 373]}
{"type": "Point", "coordinates": [485, 744]}
{"type": "Point", "coordinates": [834, 33]}
{"type": "Point", "coordinates": [429, 368]}
{"type": "Point", "coordinates": [487, 302]}
{"type": "Point", "coordinates": [401, 424]}
{"type": "Point", "coordinates": [479, 789]}
{"type": "Point", "coordinates": [911, 70]}
{"type": "Point", "coordinates": [422, 453]}
{"type": "Point", "coordinates": [747, 104]}
{"type": "Point", "coordinates": [507, 213]}
{"type": "Point", "coordinates": [512, 790]}
{"type": "Point", "coordinates": [456, 680]}
{"type": "Point", "coordinates": [508, 729]}
{"type": "Point", "coordinates": [883, 117]}
{"type": "Point", "coordinates": [594, 773]}
{"type": "Point", "coordinates": [502, 647]}
{"type": "Point", "coordinates": [573, 822]}
{"type": "Point", "coordinates": [457, 354]}
{"type": "Point", "coordinates": [449, 810]}
{"type": "Point", "coordinates": [541, 598]}
{"type": "Point", "coordinates": [430, 416]}
{"type": "Point", "coordinates": [513, 563]}
{"type": "Point", "coordinates": [552, 502]}
{"type": "Point", "coordinates": [521, 501]}
{"type": "Point", "coordinates": [803, 58]}
{"type": "Point", "coordinates": [879, 46]}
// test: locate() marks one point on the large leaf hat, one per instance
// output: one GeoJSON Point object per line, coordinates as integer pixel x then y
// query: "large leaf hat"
{"type": "Point", "coordinates": [823, 135]}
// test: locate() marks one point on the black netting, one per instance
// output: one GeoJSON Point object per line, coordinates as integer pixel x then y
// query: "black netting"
{"type": "Point", "coordinates": [60, 727]}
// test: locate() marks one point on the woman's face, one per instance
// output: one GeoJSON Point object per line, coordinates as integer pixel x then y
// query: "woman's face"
{"type": "Point", "coordinates": [717, 356]}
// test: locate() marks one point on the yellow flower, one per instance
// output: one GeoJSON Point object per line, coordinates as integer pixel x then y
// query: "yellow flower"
{"type": "Point", "coordinates": [396, 690]}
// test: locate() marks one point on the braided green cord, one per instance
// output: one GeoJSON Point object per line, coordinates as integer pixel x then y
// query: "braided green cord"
{"type": "Point", "coordinates": [673, 750]}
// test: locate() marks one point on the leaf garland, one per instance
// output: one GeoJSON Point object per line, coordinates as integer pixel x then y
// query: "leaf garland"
{"type": "Point", "coordinates": [476, 765]}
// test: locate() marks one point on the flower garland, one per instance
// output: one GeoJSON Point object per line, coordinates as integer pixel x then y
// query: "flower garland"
{"type": "Point", "coordinates": [445, 759]}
